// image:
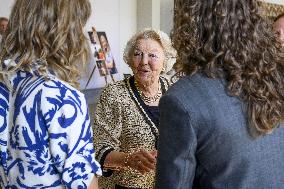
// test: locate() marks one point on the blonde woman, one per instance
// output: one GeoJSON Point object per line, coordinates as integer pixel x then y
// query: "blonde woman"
{"type": "Point", "coordinates": [127, 115]}
{"type": "Point", "coordinates": [45, 134]}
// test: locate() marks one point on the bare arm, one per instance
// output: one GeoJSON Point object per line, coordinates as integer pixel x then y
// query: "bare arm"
{"type": "Point", "coordinates": [94, 184]}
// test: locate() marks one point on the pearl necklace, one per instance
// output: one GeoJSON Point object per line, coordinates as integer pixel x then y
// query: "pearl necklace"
{"type": "Point", "coordinates": [149, 99]}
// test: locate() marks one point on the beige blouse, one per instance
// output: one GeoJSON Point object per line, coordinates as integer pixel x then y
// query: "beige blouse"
{"type": "Point", "coordinates": [122, 123]}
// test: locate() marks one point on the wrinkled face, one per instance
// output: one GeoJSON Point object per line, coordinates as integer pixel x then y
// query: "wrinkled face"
{"type": "Point", "coordinates": [3, 26]}
{"type": "Point", "coordinates": [147, 61]}
{"type": "Point", "coordinates": [279, 28]}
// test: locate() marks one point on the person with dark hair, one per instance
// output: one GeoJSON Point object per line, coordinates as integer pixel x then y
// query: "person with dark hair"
{"type": "Point", "coordinates": [45, 132]}
{"type": "Point", "coordinates": [221, 125]}
{"type": "Point", "coordinates": [3, 26]}
{"type": "Point", "coordinates": [279, 27]}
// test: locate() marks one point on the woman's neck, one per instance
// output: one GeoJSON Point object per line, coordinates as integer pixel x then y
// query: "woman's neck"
{"type": "Point", "coordinates": [149, 89]}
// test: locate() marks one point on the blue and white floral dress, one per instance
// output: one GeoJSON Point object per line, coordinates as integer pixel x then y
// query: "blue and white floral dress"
{"type": "Point", "coordinates": [45, 134]}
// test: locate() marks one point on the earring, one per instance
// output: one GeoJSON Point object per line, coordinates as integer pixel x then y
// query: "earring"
{"type": "Point", "coordinates": [164, 69]}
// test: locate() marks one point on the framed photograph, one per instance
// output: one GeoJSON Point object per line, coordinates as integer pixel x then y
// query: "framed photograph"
{"type": "Point", "coordinates": [109, 60]}
{"type": "Point", "coordinates": [102, 68]}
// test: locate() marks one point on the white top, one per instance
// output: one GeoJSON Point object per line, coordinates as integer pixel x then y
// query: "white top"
{"type": "Point", "coordinates": [45, 135]}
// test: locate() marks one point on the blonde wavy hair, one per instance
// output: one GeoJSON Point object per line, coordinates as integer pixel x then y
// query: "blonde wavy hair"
{"type": "Point", "coordinates": [47, 30]}
{"type": "Point", "coordinates": [156, 35]}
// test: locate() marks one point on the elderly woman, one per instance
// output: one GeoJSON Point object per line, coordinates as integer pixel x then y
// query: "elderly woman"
{"type": "Point", "coordinates": [127, 115]}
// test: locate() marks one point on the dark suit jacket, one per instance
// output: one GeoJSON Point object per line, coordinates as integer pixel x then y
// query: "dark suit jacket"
{"type": "Point", "coordinates": [204, 141]}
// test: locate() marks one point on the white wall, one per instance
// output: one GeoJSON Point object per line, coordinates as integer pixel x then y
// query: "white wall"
{"type": "Point", "coordinates": [156, 9]}
{"type": "Point", "coordinates": [167, 12]}
{"type": "Point", "coordinates": [144, 14]}
{"type": "Point", "coordinates": [5, 7]}
{"type": "Point", "coordinates": [148, 14]}
{"type": "Point", "coordinates": [128, 27]}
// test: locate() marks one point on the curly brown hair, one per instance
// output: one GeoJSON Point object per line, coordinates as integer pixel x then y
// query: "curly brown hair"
{"type": "Point", "coordinates": [51, 31]}
{"type": "Point", "coordinates": [230, 39]}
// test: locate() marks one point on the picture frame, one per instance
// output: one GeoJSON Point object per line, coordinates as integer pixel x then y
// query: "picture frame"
{"type": "Point", "coordinates": [109, 59]}
{"type": "Point", "coordinates": [102, 68]}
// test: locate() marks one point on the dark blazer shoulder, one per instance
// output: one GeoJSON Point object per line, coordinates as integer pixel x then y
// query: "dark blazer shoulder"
{"type": "Point", "coordinates": [195, 85]}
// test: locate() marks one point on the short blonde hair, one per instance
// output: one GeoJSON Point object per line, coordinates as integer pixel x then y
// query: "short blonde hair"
{"type": "Point", "coordinates": [157, 35]}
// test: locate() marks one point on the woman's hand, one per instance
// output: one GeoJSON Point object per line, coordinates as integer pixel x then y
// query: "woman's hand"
{"type": "Point", "coordinates": [143, 161]}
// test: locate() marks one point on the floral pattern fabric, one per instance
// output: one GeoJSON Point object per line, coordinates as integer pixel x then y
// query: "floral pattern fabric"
{"type": "Point", "coordinates": [45, 134]}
